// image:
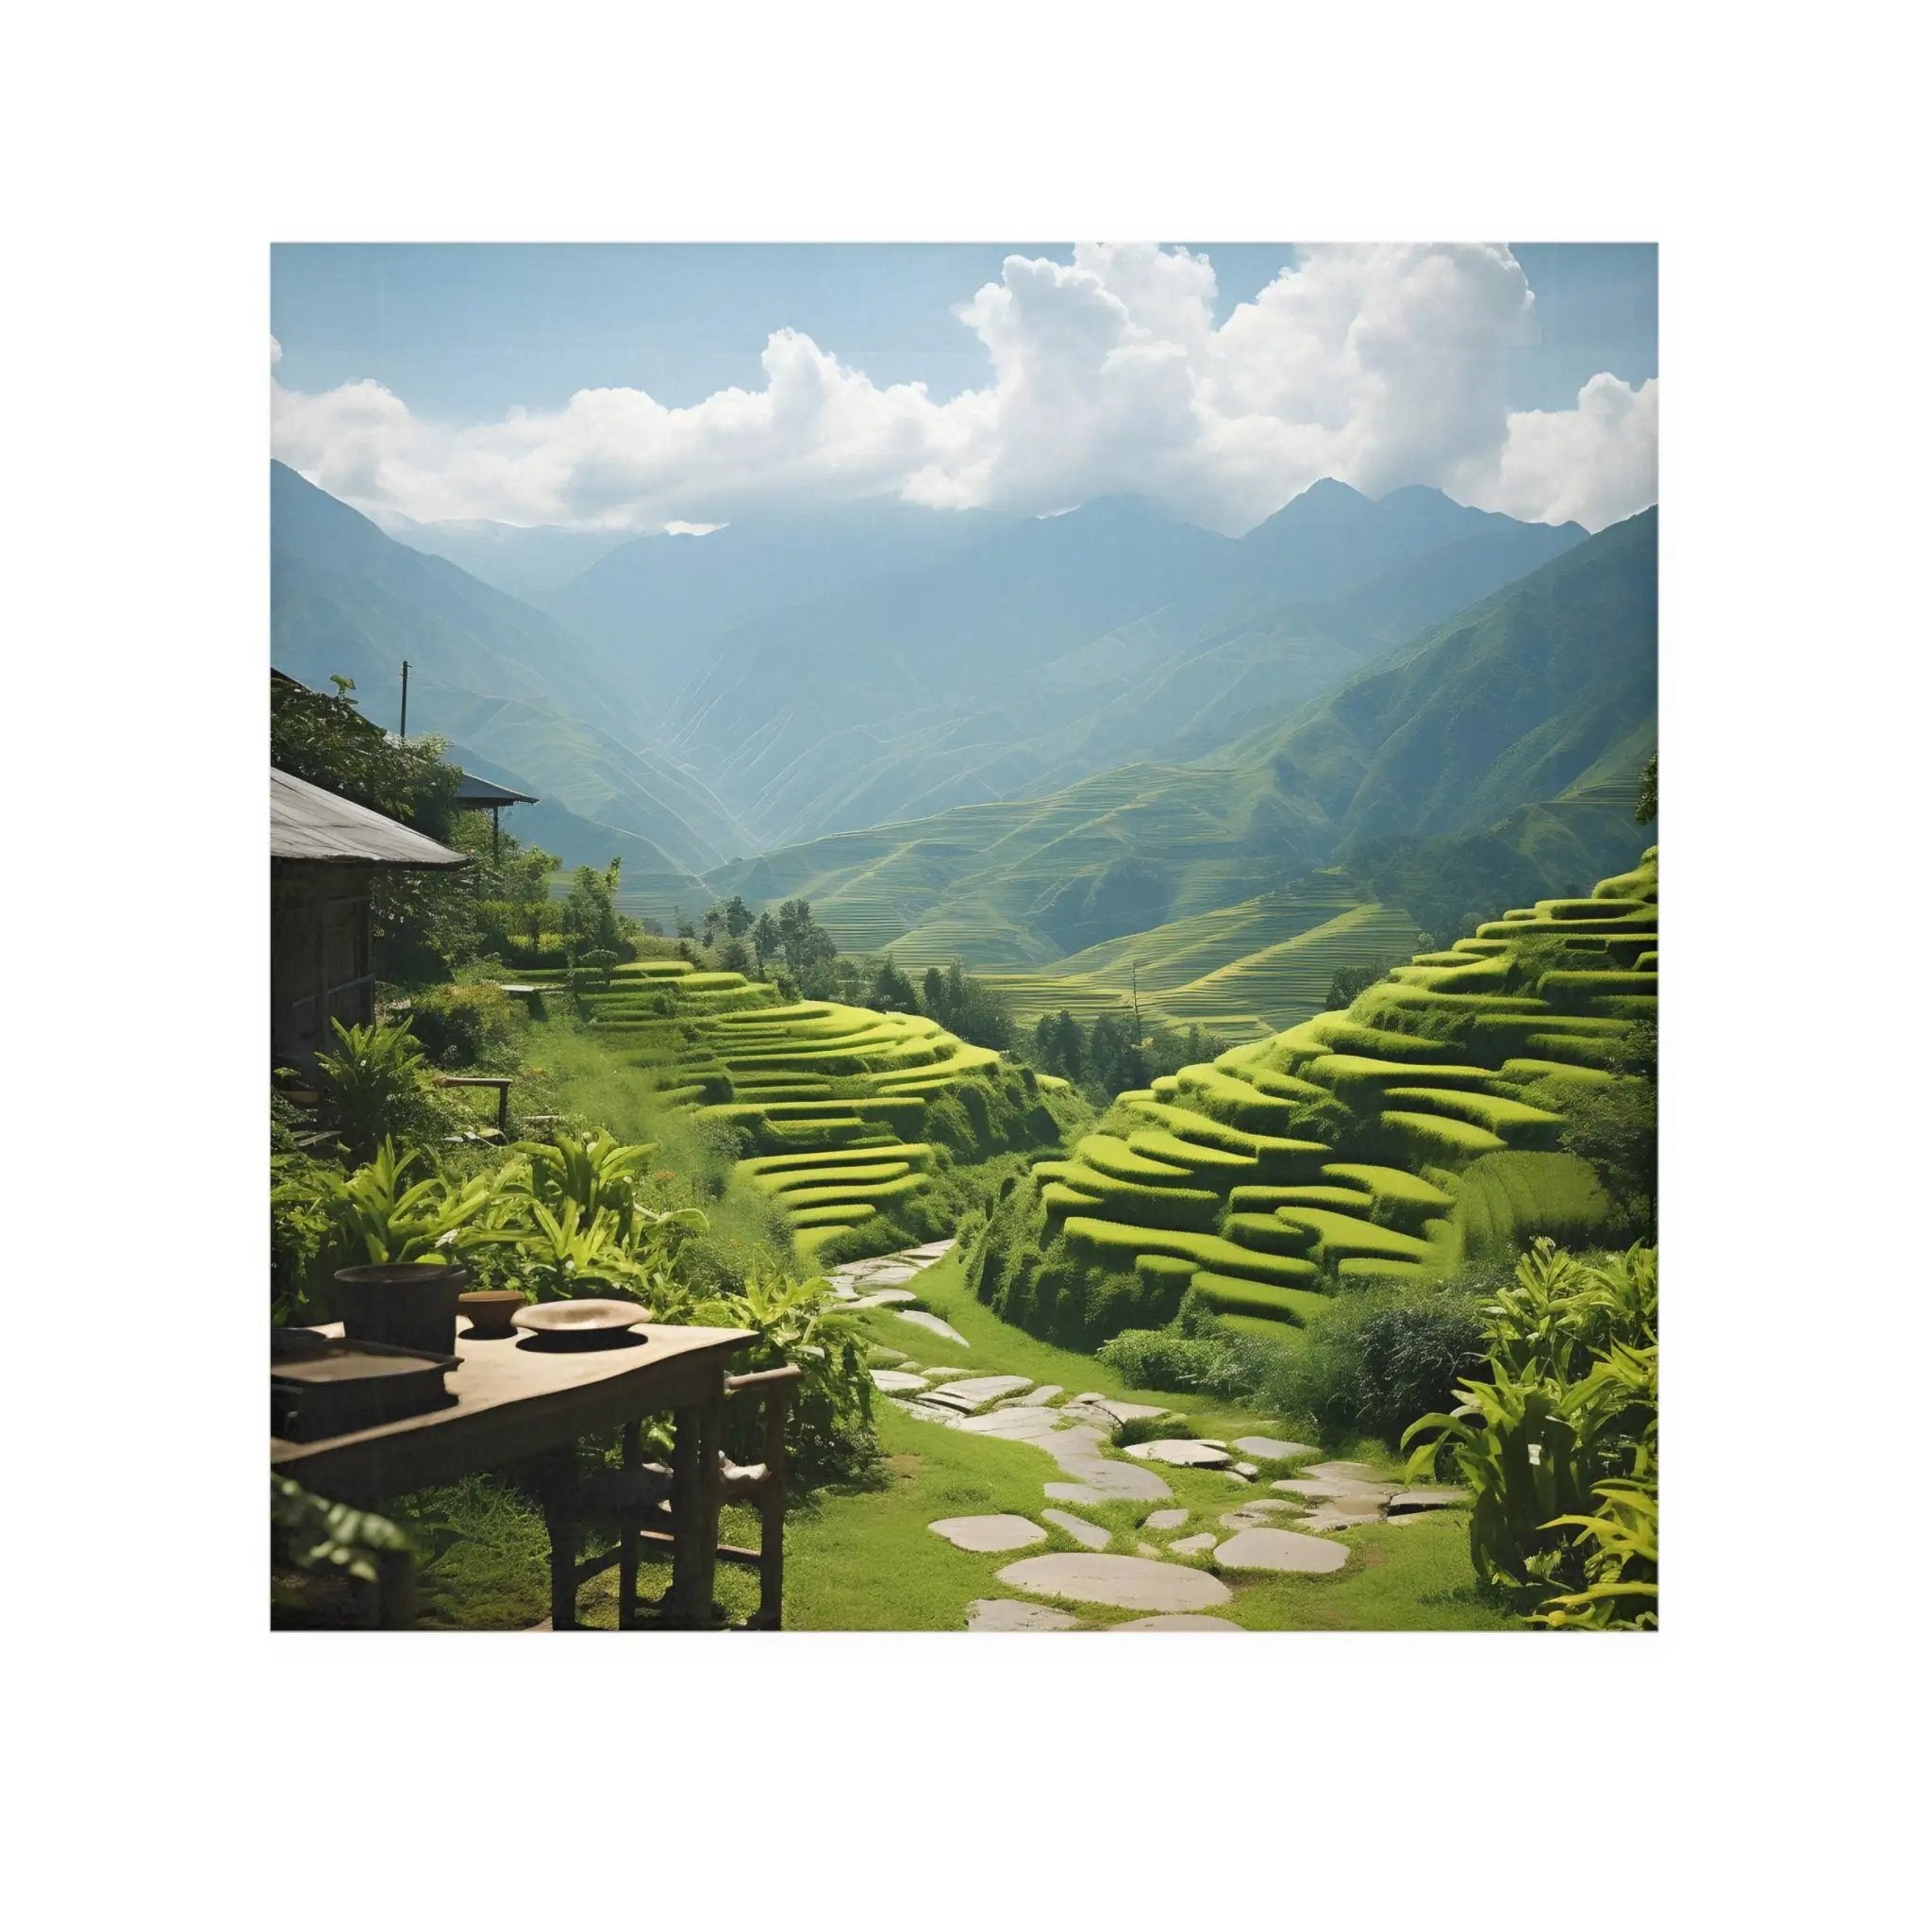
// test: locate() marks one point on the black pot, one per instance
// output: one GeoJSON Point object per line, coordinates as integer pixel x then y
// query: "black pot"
{"type": "Point", "coordinates": [407, 1305]}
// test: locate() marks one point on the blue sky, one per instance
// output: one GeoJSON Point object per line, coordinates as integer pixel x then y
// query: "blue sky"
{"type": "Point", "coordinates": [463, 331]}
{"type": "Point", "coordinates": [633, 387]}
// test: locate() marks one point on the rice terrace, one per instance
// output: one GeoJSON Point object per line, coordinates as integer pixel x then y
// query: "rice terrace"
{"type": "Point", "coordinates": [972, 1005]}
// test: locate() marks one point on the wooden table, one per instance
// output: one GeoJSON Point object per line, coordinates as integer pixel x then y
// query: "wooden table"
{"type": "Point", "coordinates": [527, 1397]}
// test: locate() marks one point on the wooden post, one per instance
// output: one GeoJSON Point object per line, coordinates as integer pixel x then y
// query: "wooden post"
{"type": "Point", "coordinates": [559, 1484]}
{"type": "Point", "coordinates": [627, 1537]}
{"type": "Point", "coordinates": [772, 1511]}
{"type": "Point", "coordinates": [710, 1501]}
{"type": "Point", "coordinates": [687, 1514]}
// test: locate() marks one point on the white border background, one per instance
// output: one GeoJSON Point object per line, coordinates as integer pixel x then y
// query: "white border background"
{"type": "Point", "coordinates": [173, 1759]}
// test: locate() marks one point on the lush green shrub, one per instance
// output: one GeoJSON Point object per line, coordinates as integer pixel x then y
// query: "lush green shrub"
{"type": "Point", "coordinates": [1379, 1357]}
{"type": "Point", "coordinates": [1213, 1361]}
{"type": "Point", "coordinates": [461, 1026]}
{"type": "Point", "coordinates": [376, 1087]}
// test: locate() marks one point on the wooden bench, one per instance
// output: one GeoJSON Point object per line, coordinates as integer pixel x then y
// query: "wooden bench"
{"type": "Point", "coordinates": [500, 1081]}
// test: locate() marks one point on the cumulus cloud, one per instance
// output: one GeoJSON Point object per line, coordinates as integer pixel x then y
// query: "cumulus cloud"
{"type": "Point", "coordinates": [1379, 365]}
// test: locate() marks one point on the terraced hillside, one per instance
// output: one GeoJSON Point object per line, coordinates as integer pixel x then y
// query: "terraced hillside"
{"type": "Point", "coordinates": [834, 1103]}
{"type": "Point", "coordinates": [1254, 967]}
{"type": "Point", "coordinates": [1387, 1141]}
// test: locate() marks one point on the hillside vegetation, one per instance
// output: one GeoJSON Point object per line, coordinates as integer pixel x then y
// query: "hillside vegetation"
{"type": "Point", "coordinates": [1389, 1142]}
{"type": "Point", "coordinates": [843, 1116]}
{"type": "Point", "coordinates": [1549, 684]}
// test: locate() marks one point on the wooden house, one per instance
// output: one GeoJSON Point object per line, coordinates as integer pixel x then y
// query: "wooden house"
{"type": "Point", "coordinates": [325, 852]}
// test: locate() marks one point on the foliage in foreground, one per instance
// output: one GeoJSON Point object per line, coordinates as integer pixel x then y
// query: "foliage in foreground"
{"type": "Point", "coordinates": [1559, 1448]}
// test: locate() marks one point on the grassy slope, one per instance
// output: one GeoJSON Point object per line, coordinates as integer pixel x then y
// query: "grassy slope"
{"type": "Point", "coordinates": [821, 1090]}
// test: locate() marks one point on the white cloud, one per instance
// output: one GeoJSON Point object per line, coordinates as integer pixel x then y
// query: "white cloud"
{"type": "Point", "coordinates": [1380, 365]}
{"type": "Point", "coordinates": [1595, 463]}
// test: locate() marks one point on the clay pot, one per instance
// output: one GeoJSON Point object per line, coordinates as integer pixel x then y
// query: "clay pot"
{"type": "Point", "coordinates": [490, 1310]}
{"type": "Point", "coordinates": [407, 1305]}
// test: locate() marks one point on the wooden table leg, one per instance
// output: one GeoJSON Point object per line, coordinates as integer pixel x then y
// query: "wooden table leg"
{"type": "Point", "coordinates": [559, 1484]}
{"type": "Point", "coordinates": [696, 1499]}
{"type": "Point", "coordinates": [627, 1539]}
{"type": "Point", "coordinates": [710, 1502]}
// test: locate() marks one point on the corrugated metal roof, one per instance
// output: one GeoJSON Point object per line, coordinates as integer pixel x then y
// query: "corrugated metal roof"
{"type": "Point", "coordinates": [306, 822]}
{"type": "Point", "coordinates": [477, 791]}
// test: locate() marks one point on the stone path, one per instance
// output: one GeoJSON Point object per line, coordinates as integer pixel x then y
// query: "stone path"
{"type": "Point", "coordinates": [1291, 1531]}
{"type": "Point", "coordinates": [985, 1533]}
{"type": "Point", "coordinates": [1125, 1583]}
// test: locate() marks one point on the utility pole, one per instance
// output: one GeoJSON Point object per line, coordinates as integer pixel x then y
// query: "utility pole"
{"type": "Point", "coordinates": [403, 728]}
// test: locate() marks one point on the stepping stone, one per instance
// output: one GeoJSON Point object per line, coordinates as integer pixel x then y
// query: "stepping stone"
{"type": "Point", "coordinates": [1147, 1550]}
{"type": "Point", "coordinates": [1182, 1452]}
{"type": "Point", "coordinates": [1079, 1493]}
{"type": "Point", "coordinates": [988, 1533]}
{"type": "Point", "coordinates": [1360, 1505]}
{"type": "Point", "coordinates": [896, 1381]}
{"type": "Point", "coordinates": [1275, 1549]}
{"type": "Point", "coordinates": [927, 1411]}
{"type": "Point", "coordinates": [891, 1359]}
{"type": "Point", "coordinates": [1250, 1470]}
{"type": "Point", "coordinates": [885, 1298]}
{"type": "Point", "coordinates": [1115, 1410]}
{"type": "Point", "coordinates": [1325, 1490]}
{"type": "Point", "coordinates": [1411, 1502]}
{"type": "Point", "coordinates": [930, 1251]}
{"type": "Point", "coordinates": [1255, 1515]}
{"type": "Point", "coordinates": [1078, 1452]}
{"type": "Point", "coordinates": [933, 1326]}
{"type": "Point", "coordinates": [1166, 1519]}
{"type": "Point", "coordinates": [1179, 1623]}
{"type": "Point", "coordinates": [1327, 1516]}
{"type": "Point", "coordinates": [1271, 1448]}
{"type": "Point", "coordinates": [1197, 1545]}
{"type": "Point", "coordinates": [978, 1391]}
{"type": "Point", "coordinates": [1017, 1425]}
{"type": "Point", "coordinates": [1079, 1529]}
{"type": "Point", "coordinates": [885, 1273]}
{"type": "Point", "coordinates": [1127, 1583]}
{"type": "Point", "coordinates": [1038, 1398]}
{"type": "Point", "coordinates": [1007, 1613]}
{"type": "Point", "coordinates": [1345, 1473]}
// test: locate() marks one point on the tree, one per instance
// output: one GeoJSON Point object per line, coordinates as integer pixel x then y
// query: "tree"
{"type": "Point", "coordinates": [590, 908]}
{"type": "Point", "coordinates": [526, 872]}
{"type": "Point", "coordinates": [1646, 793]}
{"type": "Point", "coordinates": [891, 990]}
{"type": "Point", "coordinates": [1069, 1047]}
{"type": "Point", "coordinates": [737, 916]}
{"type": "Point", "coordinates": [764, 941]}
{"type": "Point", "coordinates": [807, 946]}
{"type": "Point", "coordinates": [733, 955]}
{"type": "Point", "coordinates": [1348, 982]}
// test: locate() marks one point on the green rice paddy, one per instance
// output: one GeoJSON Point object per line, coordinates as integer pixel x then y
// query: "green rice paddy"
{"type": "Point", "coordinates": [1380, 1143]}
{"type": "Point", "coordinates": [831, 1099]}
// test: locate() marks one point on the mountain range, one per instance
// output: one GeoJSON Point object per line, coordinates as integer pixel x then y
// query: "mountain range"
{"type": "Point", "coordinates": [1509, 704]}
{"type": "Point", "coordinates": [1015, 740]}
